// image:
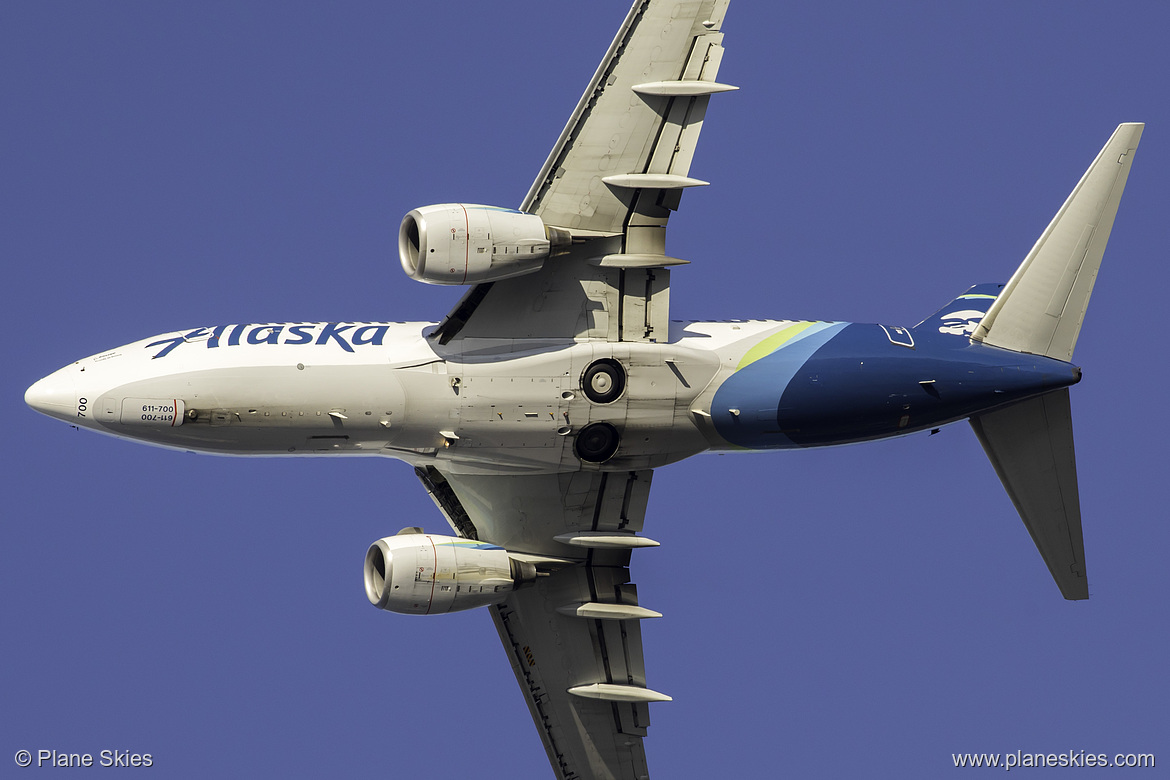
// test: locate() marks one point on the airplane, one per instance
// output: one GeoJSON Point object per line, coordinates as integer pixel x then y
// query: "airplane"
{"type": "Point", "coordinates": [535, 413]}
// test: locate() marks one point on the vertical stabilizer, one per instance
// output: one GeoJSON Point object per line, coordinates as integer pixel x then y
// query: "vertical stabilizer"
{"type": "Point", "coordinates": [1043, 305]}
{"type": "Point", "coordinates": [1030, 444]}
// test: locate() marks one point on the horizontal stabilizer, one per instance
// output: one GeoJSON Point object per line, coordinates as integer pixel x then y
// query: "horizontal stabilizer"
{"type": "Point", "coordinates": [1030, 444]}
{"type": "Point", "coordinates": [1043, 305]}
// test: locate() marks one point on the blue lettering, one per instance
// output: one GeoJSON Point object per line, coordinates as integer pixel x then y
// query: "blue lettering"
{"type": "Point", "coordinates": [299, 332]}
{"type": "Point", "coordinates": [195, 334]}
{"type": "Point", "coordinates": [332, 330]}
{"type": "Point", "coordinates": [255, 336]}
{"type": "Point", "coordinates": [370, 334]}
{"type": "Point", "coordinates": [234, 339]}
{"type": "Point", "coordinates": [216, 332]}
{"type": "Point", "coordinates": [367, 334]}
{"type": "Point", "coordinates": [176, 341]}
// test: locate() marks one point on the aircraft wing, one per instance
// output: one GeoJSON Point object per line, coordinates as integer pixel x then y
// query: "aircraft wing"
{"type": "Point", "coordinates": [573, 638]}
{"type": "Point", "coordinates": [637, 123]}
{"type": "Point", "coordinates": [612, 179]}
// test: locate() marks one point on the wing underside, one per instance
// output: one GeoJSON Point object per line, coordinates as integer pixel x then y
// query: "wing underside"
{"type": "Point", "coordinates": [573, 638]}
{"type": "Point", "coordinates": [612, 179]}
{"type": "Point", "coordinates": [628, 145]}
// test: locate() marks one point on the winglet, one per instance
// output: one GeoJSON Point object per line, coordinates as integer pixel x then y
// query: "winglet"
{"type": "Point", "coordinates": [1042, 307]}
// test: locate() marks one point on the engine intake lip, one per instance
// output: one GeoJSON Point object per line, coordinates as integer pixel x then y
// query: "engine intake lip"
{"type": "Point", "coordinates": [410, 244]}
{"type": "Point", "coordinates": [378, 571]}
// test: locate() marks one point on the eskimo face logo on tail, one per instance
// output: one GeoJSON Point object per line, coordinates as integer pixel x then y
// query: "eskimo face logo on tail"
{"type": "Point", "coordinates": [961, 323]}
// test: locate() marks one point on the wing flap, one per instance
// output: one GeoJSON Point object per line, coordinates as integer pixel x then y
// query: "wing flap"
{"type": "Point", "coordinates": [551, 653]}
{"type": "Point", "coordinates": [574, 637]}
{"type": "Point", "coordinates": [612, 179]}
{"type": "Point", "coordinates": [617, 129]}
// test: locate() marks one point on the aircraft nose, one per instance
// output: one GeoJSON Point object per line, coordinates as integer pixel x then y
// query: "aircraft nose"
{"type": "Point", "coordinates": [55, 395]}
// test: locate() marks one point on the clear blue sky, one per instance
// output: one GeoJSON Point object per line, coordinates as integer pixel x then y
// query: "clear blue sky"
{"type": "Point", "coordinates": [860, 612]}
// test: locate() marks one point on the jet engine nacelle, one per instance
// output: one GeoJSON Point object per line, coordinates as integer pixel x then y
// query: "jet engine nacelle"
{"type": "Point", "coordinates": [462, 243]}
{"type": "Point", "coordinates": [426, 574]}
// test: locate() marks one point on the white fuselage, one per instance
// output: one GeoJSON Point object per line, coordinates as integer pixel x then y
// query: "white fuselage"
{"type": "Point", "coordinates": [386, 389]}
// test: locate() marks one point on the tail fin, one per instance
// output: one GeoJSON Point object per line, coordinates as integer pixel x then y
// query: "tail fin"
{"type": "Point", "coordinates": [1040, 311]}
{"type": "Point", "coordinates": [1043, 305]}
{"type": "Point", "coordinates": [1030, 444]}
{"type": "Point", "coordinates": [961, 316]}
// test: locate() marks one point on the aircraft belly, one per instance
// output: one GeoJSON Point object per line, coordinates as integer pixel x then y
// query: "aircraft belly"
{"type": "Point", "coordinates": [264, 410]}
{"type": "Point", "coordinates": [743, 408]}
{"type": "Point", "coordinates": [513, 411]}
{"type": "Point", "coordinates": [525, 410]}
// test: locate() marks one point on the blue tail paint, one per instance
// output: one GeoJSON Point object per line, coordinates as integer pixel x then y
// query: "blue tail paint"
{"type": "Point", "coordinates": [856, 382]}
{"type": "Point", "coordinates": [958, 318]}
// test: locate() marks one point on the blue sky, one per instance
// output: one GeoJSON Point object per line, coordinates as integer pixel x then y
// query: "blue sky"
{"type": "Point", "coordinates": [865, 611]}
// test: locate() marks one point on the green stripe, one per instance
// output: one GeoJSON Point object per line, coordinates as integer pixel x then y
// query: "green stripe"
{"type": "Point", "coordinates": [773, 343]}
